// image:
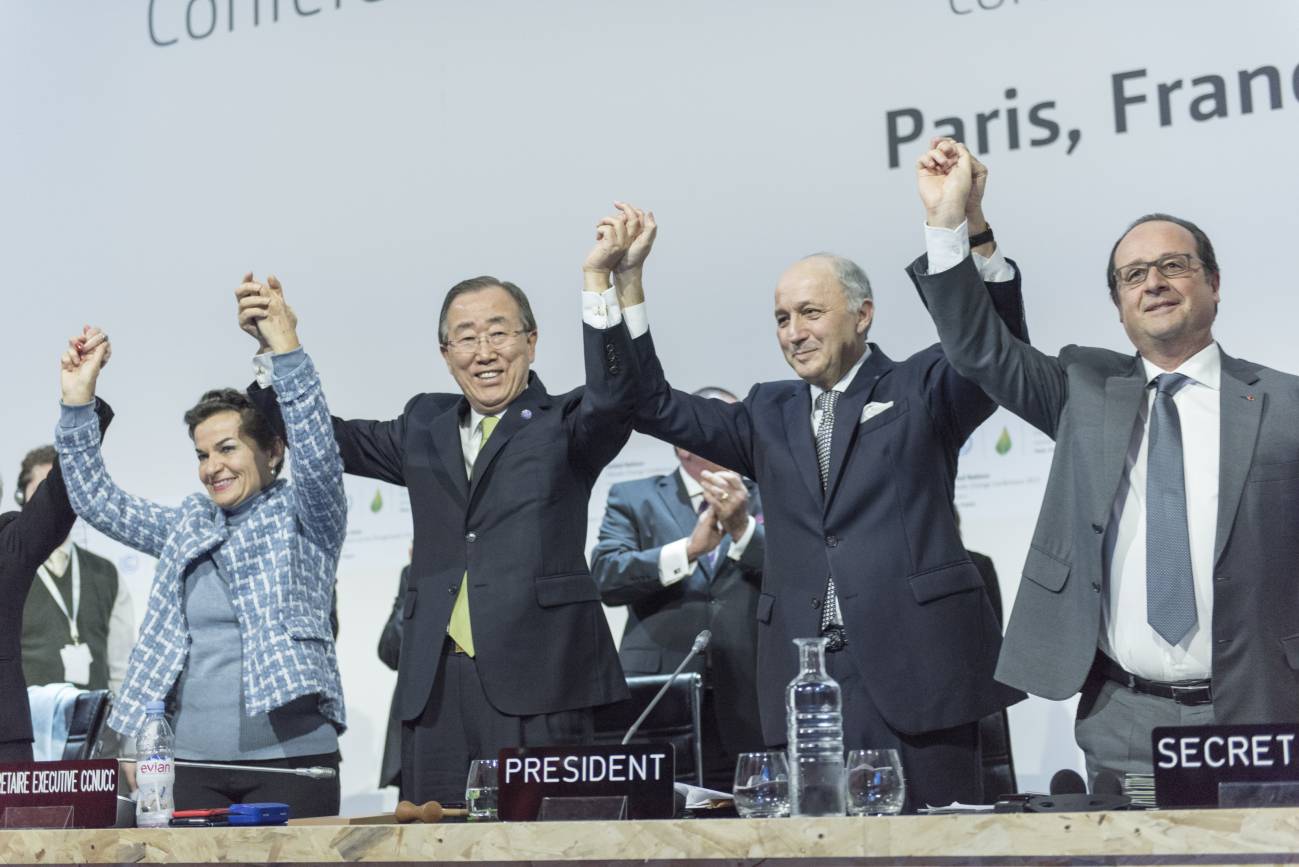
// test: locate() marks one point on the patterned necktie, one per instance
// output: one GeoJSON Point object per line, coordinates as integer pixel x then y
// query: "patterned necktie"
{"type": "Point", "coordinates": [831, 618]}
{"type": "Point", "coordinates": [1170, 591]}
{"type": "Point", "coordinates": [459, 627]}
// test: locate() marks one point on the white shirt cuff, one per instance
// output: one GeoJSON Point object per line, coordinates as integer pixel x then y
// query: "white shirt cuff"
{"type": "Point", "coordinates": [637, 320]}
{"type": "Point", "coordinates": [947, 248]}
{"type": "Point", "coordinates": [263, 367]}
{"type": "Point", "coordinates": [601, 310]}
{"type": "Point", "coordinates": [673, 562]}
{"type": "Point", "coordinates": [736, 551]}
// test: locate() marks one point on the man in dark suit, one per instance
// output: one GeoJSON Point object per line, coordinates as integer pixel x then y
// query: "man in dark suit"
{"type": "Point", "coordinates": [26, 540]}
{"type": "Point", "coordinates": [504, 642]}
{"type": "Point", "coordinates": [1161, 578]}
{"type": "Point", "coordinates": [862, 542]}
{"type": "Point", "coordinates": [684, 553]}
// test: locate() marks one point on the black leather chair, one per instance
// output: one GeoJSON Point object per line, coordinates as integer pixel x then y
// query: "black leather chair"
{"type": "Point", "coordinates": [675, 720]}
{"type": "Point", "coordinates": [88, 717]}
{"type": "Point", "coordinates": [998, 763]}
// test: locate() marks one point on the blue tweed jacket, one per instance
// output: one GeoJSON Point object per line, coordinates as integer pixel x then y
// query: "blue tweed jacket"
{"type": "Point", "coordinates": [280, 562]}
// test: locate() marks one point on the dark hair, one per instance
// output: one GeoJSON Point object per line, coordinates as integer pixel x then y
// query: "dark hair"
{"type": "Point", "coordinates": [476, 284]}
{"type": "Point", "coordinates": [716, 393]}
{"type": "Point", "coordinates": [37, 457]}
{"type": "Point", "coordinates": [252, 421]}
{"type": "Point", "coordinates": [1203, 247]}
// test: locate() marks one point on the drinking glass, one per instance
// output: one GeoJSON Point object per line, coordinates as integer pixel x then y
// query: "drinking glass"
{"type": "Point", "coordinates": [481, 789]}
{"type": "Point", "coordinates": [761, 785]}
{"type": "Point", "coordinates": [876, 785]}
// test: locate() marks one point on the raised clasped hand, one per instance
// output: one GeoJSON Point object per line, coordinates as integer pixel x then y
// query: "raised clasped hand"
{"type": "Point", "coordinates": [945, 179]}
{"type": "Point", "coordinates": [86, 355]}
{"type": "Point", "coordinates": [264, 314]}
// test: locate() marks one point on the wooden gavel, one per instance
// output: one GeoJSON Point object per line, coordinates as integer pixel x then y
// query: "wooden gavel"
{"type": "Point", "coordinates": [429, 812]}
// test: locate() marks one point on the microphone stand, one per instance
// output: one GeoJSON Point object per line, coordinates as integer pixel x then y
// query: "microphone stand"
{"type": "Point", "coordinates": [701, 641]}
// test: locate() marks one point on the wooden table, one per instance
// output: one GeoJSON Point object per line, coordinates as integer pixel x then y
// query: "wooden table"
{"type": "Point", "coordinates": [1174, 837]}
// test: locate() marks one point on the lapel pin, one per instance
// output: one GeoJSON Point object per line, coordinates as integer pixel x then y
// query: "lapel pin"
{"type": "Point", "coordinates": [1249, 397]}
{"type": "Point", "coordinates": [527, 413]}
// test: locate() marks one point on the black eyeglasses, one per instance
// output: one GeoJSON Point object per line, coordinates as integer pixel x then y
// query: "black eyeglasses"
{"type": "Point", "coordinates": [1172, 266]}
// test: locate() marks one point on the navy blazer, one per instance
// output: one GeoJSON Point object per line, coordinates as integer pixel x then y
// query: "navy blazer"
{"type": "Point", "coordinates": [518, 527]}
{"type": "Point", "coordinates": [920, 626]}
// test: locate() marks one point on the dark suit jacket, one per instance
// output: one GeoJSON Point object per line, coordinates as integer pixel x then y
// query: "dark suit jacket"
{"type": "Point", "coordinates": [390, 655]}
{"type": "Point", "coordinates": [921, 629]}
{"type": "Point", "coordinates": [991, 583]}
{"type": "Point", "coordinates": [1087, 400]}
{"type": "Point", "coordinates": [641, 517]}
{"type": "Point", "coordinates": [27, 539]}
{"type": "Point", "coordinates": [518, 528]}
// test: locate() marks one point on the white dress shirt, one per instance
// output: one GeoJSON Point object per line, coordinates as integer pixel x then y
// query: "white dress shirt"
{"type": "Point", "coordinates": [1126, 637]}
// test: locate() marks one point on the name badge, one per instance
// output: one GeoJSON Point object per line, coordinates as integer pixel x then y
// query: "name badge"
{"type": "Point", "coordinates": [76, 663]}
{"type": "Point", "coordinates": [643, 773]}
{"type": "Point", "coordinates": [1190, 761]}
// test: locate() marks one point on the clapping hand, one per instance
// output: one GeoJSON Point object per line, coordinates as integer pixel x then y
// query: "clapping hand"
{"type": "Point", "coordinates": [729, 498]}
{"type": "Point", "coordinates": [86, 355]}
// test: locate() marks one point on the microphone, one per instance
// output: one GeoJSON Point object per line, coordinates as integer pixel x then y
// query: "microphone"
{"type": "Point", "coordinates": [701, 642]}
{"type": "Point", "coordinates": [1067, 782]}
{"type": "Point", "coordinates": [1107, 783]}
{"type": "Point", "coordinates": [312, 773]}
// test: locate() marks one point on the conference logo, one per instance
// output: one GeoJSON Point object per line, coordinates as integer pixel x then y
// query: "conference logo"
{"type": "Point", "coordinates": [1004, 443]}
{"type": "Point", "coordinates": [175, 21]}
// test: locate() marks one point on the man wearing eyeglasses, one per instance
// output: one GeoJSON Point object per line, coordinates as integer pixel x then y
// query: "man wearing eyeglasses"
{"type": "Point", "coordinates": [504, 642]}
{"type": "Point", "coordinates": [1161, 578]}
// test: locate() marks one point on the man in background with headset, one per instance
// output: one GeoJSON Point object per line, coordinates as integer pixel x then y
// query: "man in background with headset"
{"type": "Point", "coordinates": [78, 621]}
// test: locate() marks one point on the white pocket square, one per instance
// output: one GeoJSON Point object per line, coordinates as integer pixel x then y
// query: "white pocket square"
{"type": "Point", "coordinates": [873, 409]}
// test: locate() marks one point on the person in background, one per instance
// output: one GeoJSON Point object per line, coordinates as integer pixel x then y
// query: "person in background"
{"type": "Point", "coordinates": [78, 621]}
{"type": "Point", "coordinates": [236, 635]}
{"type": "Point", "coordinates": [684, 552]}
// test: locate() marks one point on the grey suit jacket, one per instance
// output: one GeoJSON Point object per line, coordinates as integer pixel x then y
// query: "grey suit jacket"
{"type": "Point", "coordinates": [641, 517]}
{"type": "Point", "coordinates": [1087, 400]}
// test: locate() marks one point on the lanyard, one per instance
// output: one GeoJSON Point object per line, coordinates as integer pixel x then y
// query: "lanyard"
{"type": "Point", "coordinates": [48, 580]}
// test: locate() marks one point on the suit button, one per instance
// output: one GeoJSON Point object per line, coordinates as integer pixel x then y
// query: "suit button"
{"type": "Point", "coordinates": [471, 536]}
{"type": "Point", "coordinates": [1096, 587]}
{"type": "Point", "coordinates": [816, 602]}
{"type": "Point", "coordinates": [1098, 529]}
{"type": "Point", "coordinates": [453, 589]}
{"type": "Point", "coordinates": [831, 541]}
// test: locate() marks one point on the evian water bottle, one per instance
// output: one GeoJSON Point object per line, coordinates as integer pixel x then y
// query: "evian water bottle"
{"type": "Point", "coordinates": [155, 770]}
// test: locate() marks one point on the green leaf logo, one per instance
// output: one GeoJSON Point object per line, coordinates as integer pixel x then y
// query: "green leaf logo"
{"type": "Point", "coordinates": [1003, 442]}
{"type": "Point", "coordinates": [376, 505]}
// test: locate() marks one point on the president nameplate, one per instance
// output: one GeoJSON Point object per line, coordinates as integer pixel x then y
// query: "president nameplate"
{"type": "Point", "coordinates": [643, 773]}
{"type": "Point", "coordinates": [1192, 761]}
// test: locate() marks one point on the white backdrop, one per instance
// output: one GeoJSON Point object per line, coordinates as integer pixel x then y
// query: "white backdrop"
{"type": "Point", "coordinates": [373, 153]}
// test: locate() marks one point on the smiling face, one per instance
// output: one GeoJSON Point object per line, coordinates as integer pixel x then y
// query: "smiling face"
{"type": "Point", "coordinates": [231, 466]}
{"type": "Point", "coordinates": [490, 376]}
{"type": "Point", "coordinates": [1165, 317]}
{"type": "Point", "coordinates": [821, 337]}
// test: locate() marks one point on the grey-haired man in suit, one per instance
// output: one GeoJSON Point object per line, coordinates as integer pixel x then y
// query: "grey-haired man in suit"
{"type": "Point", "coordinates": [1161, 578]}
{"type": "Point", "coordinates": [683, 552]}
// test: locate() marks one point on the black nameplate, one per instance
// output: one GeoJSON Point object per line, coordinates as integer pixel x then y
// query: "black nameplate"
{"type": "Point", "coordinates": [644, 773]}
{"type": "Point", "coordinates": [89, 787]}
{"type": "Point", "coordinates": [1190, 761]}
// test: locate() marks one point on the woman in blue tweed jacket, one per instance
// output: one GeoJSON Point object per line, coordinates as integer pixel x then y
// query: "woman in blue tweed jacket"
{"type": "Point", "coordinates": [236, 637]}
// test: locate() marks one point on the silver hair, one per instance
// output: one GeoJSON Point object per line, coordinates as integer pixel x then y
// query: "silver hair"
{"type": "Point", "coordinates": [856, 285]}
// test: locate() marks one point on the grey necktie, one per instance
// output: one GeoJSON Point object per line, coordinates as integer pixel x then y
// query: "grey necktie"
{"type": "Point", "coordinates": [1170, 591]}
{"type": "Point", "coordinates": [830, 625]}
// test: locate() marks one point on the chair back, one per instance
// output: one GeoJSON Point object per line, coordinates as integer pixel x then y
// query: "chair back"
{"type": "Point", "coordinates": [89, 714]}
{"type": "Point", "coordinates": [676, 719]}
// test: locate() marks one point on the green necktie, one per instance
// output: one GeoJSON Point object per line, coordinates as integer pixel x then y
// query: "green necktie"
{"type": "Point", "coordinates": [459, 627]}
